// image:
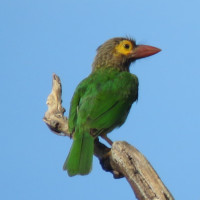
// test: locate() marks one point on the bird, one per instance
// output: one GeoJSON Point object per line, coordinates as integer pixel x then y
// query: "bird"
{"type": "Point", "coordinates": [102, 101]}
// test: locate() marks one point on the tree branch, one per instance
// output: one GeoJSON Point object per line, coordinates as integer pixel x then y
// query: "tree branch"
{"type": "Point", "coordinates": [122, 160]}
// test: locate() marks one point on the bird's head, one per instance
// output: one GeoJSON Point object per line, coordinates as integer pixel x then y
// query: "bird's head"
{"type": "Point", "coordinates": [120, 53]}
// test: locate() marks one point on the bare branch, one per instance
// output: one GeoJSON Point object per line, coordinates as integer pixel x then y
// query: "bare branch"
{"type": "Point", "coordinates": [143, 179]}
{"type": "Point", "coordinates": [54, 117]}
{"type": "Point", "coordinates": [122, 160]}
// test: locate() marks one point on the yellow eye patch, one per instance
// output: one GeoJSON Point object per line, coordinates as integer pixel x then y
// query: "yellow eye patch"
{"type": "Point", "coordinates": [124, 47]}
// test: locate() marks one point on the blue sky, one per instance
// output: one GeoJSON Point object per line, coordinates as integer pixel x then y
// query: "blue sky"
{"type": "Point", "coordinates": [38, 38]}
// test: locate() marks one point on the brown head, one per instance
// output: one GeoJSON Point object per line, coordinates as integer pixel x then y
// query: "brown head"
{"type": "Point", "coordinates": [120, 53]}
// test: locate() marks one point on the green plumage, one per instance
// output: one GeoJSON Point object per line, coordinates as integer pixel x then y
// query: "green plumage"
{"type": "Point", "coordinates": [100, 103]}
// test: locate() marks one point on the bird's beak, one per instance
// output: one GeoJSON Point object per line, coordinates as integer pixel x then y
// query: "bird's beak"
{"type": "Point", "coordinates": [142, 51]}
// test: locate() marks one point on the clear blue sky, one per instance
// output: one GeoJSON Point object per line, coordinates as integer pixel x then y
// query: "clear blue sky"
{"type": "Point", "coordinates": [38, 38]}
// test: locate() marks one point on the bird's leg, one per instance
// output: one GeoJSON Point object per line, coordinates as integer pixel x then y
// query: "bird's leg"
{"type": "Point", "coordinates": [93, 132]}
{"type": "Point", "coordinates": [104, 136]}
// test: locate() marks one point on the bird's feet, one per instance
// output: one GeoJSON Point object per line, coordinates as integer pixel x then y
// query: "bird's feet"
{"type": "Point", "coordinates": [104, 136]}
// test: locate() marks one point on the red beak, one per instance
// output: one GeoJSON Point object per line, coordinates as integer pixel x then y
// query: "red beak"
{"type": "Point", "coordinates": [142, 51]}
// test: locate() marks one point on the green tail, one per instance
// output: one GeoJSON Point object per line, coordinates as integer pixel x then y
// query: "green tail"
{"type": "Point", "coordinates": [79, 160]}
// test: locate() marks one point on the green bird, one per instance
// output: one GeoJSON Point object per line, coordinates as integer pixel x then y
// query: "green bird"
{"type": "Point", "coordinates": [102, 101]}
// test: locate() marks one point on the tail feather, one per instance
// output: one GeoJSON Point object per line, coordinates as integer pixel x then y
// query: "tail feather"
{"type": "Point", "coordinates": [79, 160]}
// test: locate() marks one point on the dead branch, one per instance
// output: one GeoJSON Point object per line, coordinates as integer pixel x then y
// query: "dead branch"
{"type": "Point", "coordinates": [122, 160]}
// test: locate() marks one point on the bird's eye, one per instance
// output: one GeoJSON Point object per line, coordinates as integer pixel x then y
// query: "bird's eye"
{"type": "Point", "coordinates": [126, 46]}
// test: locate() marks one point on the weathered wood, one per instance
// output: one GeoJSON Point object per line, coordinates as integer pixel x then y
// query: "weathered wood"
{"type": "Point", "coordinates": [54, 117]}
{"type": "Point", "coordinates": [143, 179]}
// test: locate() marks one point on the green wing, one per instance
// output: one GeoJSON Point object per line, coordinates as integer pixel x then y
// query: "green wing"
{"type": "Point", "coordinates": [106, 100]}
{"type": "Point", "coordinates": [74, 106]}
{"type": "Point", "coordinates": [73, 111]}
